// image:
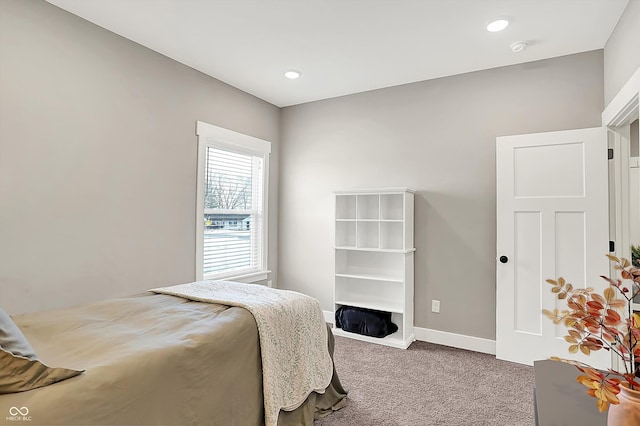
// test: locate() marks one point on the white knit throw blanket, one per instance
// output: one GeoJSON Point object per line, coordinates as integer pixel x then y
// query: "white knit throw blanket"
{"type": "Point", "coordinates": [293, 338]}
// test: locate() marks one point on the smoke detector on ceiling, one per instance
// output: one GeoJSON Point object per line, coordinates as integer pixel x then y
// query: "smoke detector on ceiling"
{"type": "Point", "coordinates": [519, 46]}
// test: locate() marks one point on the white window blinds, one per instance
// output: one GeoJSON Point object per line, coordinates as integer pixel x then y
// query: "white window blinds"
{"type": "Point", "coordinates": [232, 212]}
{"type": "Point", "coordinates": [232, 192]}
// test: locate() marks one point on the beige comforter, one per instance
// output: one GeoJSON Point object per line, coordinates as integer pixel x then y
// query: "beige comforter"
{"type": "Point", "coordinates": [293, 338]}
{"type": "Point", "coordinates": [152, 359]}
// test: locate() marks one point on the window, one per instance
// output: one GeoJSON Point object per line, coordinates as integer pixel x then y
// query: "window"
{"type": "Point", "coordinates": [231, 219]}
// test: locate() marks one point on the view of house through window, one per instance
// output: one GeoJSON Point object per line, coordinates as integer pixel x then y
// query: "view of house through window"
{"type": "Point", "coordinates": [232, 211]}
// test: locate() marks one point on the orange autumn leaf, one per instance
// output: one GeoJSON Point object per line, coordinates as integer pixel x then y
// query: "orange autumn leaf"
{"type": "Point", "coordinates": [574, 334]}
{"type": "Point", "coordinates": [602, 406]}
{"type": "Point", "coordinates": [612, 317]}
{"type": "Point", "coordinates": [613, 381]}
{"type": "Point", "coordinates": [598, 298]}
{"type": "Point", "coordinates": [588, 382]}
{"type": "Point", "coordinates": [618, 304]}
{"type": "Point", "coordinates": [593, 374]}
{"type": "Point", "coordinates": [609, 294]}
{"type": "Point", "coordinates": [613, 258]}
{"type": "Point", "coordinates": [636, 320]}
{"type": "Point", "coordinates": [594, 304]}
{"type": "Point", "coordinates": [610, 395]}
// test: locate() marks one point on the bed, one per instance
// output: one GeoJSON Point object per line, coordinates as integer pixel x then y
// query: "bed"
{"type": "Point", "coordinates": [153, 359]}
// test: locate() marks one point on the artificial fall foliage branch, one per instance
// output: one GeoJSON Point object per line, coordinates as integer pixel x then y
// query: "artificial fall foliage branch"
{"type": "Point", "coordinates": [596, 322]}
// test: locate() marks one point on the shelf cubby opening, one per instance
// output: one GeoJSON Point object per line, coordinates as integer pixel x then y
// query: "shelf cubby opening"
{"type": "Point", "coordinates": [368, 234]}
{"type": "Point", "coordinates": [345, 207]}
{"type": "Point", "coordinates": [391, 235]}
{"type": "Point", "coordinates": [378, 265]}
{"type": "Point", "coordinates": [391, 206]}
{"type": "Point", "coordinates": [368, 206]}
{"type": "Point", "coordinates": [377, 295]}
{"type": "Point", "coordinates": [346, 234]}
{"type": "Point", "coordinates": [396, 318]}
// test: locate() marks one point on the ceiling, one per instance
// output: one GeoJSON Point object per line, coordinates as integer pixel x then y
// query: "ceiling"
{"type": "Point", "coordinates": [349, 46]}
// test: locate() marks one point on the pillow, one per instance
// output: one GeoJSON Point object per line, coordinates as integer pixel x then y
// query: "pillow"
{"type": "Point", "coordinates": [21, 374]}
{"type": "Point", "coordinates": [21, 370]}
{"type": "Point", "coordinates": [12, 340]}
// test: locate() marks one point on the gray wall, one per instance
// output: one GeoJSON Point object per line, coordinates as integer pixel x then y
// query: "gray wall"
{"type": "Point", "coordinates": [98, 159]}
{"type": "Point", "coordinates": [621, 57]}
{"type": "Point", "coordinates": [437, 137]}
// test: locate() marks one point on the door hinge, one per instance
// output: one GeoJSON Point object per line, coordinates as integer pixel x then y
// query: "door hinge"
{"type": "Point", "coordinates": [612, 246]}
{"type": "Point", "coordinates": [610, 153]}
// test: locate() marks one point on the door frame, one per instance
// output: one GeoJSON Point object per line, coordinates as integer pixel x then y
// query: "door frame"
{"type": "Point", "coordinates": [623, 109]}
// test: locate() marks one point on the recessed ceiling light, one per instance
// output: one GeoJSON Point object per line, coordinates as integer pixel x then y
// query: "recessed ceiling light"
{"type": "Point", "coordinates": [497, 25]}
{"type": "Point", "coordinates": [292, 74]}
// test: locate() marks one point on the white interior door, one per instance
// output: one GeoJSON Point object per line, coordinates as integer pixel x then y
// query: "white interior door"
{"type": "Point", "coordinates": [552, 220]}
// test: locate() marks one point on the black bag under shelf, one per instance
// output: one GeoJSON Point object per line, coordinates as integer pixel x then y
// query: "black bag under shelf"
{"type": "Point", "coordinates": [367, 322]}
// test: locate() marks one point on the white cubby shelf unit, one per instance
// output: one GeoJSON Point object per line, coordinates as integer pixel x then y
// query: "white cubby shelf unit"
{"type": "Point", "coordinates": [374, 257]}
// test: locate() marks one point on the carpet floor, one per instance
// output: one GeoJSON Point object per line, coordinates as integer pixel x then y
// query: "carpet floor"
{"type": "Point", "coordinates": [429, 384]}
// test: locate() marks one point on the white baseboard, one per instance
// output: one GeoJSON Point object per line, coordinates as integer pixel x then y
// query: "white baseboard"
{"type": "Point", "coordinates": [460, 341]}
{"type": "Point", "coordinates": [454, 340]}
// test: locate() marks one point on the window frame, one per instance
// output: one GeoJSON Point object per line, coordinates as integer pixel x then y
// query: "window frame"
{"type": "Point", "coordinates": [216, 137]}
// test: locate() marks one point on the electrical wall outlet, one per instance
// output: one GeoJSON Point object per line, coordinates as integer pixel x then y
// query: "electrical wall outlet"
{"type": "Point", "coordinates": [435, 306]}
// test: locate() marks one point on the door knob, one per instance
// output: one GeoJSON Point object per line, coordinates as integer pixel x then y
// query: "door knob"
{"type": "Point", "coordinates": [504, 259]}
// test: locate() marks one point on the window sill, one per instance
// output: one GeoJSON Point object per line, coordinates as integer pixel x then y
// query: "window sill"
{"type": "Point", "coordinates": [249, 277]}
